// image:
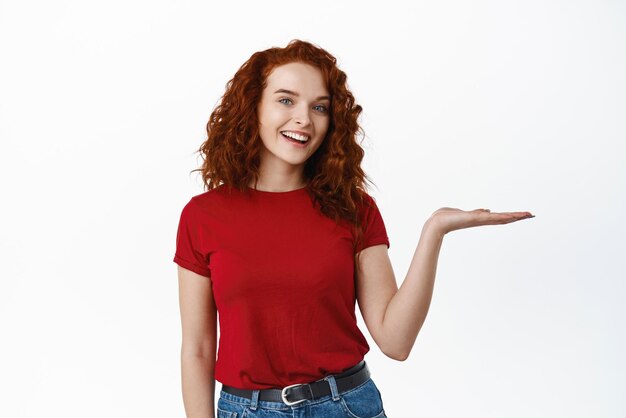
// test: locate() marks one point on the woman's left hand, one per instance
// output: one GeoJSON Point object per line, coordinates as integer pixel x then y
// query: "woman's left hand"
{"type": "Point", "coordinates": [451, 219]}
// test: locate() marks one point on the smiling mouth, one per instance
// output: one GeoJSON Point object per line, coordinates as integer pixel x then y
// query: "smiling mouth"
{"type": "Point", "coordinates": [294, 137]}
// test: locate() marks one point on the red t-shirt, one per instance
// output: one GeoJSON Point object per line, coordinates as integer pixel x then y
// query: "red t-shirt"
{"type": "Point", "coordinates": [282, 275]}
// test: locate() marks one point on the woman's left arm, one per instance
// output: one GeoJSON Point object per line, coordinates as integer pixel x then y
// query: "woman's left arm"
{"type": "Point", "coordinates": [395, 316]}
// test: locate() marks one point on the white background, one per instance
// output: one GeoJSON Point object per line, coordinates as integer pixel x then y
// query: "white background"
{"type": "Point", "coordinates": [506, 105]}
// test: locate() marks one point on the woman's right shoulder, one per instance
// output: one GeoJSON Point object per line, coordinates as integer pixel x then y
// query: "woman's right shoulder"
{"type": "Point", "coordinates": [217, 197]}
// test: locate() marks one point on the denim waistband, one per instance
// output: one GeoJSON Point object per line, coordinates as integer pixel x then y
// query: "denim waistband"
{"type": "Point", "coordinates": [255, 402]}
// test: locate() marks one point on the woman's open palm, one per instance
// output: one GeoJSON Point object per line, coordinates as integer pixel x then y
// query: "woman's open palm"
{"type": "Point", "coordinates": [451, 219]}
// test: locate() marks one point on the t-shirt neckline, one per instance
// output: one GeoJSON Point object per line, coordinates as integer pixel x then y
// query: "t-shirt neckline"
{"type": "Point", "coordinates": [268, 193]}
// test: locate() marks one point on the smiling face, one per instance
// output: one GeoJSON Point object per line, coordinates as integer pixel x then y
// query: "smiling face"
{"type": "Point", "coordinates": [294, 114]}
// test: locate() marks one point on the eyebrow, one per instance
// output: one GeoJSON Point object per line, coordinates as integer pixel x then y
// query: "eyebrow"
{"type": "Point", "coordinates": [293, 93]}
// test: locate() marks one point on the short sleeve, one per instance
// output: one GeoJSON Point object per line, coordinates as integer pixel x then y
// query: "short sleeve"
{"type": "Point", "coordinates": [189, 252]}
{"type": "Point", "coordinates": [374, 231]}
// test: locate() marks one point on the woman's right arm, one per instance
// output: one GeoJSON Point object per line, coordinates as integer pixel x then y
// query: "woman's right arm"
{"type": "Point", "coordinates": [199, 327]}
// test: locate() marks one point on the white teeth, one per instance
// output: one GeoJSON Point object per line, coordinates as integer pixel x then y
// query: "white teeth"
{"type": "Point", "coordinates": [296, 136]}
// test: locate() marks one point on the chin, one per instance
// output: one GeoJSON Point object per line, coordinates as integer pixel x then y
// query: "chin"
{"type": "Point", "coordinates": [298, 161]}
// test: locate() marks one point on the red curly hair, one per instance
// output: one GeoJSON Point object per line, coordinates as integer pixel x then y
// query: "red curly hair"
{"type": "Point", "coordinates": [231, 153]}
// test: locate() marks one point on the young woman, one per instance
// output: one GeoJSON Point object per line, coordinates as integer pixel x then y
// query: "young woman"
{"type": "Point", "coordinates": [282, 245]}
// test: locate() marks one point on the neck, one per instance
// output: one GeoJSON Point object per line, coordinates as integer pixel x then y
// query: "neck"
{"type": "Point", "coordinates": [276, 176]}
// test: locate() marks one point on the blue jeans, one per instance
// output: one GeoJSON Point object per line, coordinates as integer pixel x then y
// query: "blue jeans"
{"type": "Point", "coordinates": [363, 401]}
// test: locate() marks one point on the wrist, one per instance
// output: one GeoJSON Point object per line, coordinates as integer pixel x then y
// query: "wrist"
{"type": "Point", "coordinates": [434, 227]}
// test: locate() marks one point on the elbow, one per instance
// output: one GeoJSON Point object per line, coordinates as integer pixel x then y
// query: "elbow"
{"type": "Point", "coordinates": [397, 355]}
{"type": "Point", "coordinates": [401, 357]}
{"type": "Point", "coordinates": [395, 349]}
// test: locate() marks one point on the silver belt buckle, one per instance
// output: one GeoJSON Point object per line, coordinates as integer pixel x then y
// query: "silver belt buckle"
{"type": "Point", "coordinates": [283, 395]}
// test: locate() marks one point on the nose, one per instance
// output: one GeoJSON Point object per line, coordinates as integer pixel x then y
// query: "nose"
{"type": "Point", "coordinates": [301, 116]}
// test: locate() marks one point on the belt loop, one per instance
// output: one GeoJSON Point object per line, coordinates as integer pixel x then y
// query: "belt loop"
{"type": "Point", "coordinates": [333, 386]}
{"type": "Point", "coordinates": [255, 399]}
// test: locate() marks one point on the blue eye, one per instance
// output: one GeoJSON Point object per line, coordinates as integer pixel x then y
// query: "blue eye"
{"type": "Point", "coordinates": [319, 108]}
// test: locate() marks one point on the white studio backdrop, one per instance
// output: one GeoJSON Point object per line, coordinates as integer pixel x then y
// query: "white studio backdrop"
{"type": "Point", "coordinates": [506, 105]}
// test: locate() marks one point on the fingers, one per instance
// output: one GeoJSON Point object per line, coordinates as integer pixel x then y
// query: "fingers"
{"type": "Point", "coordinates": [516, 215]}
{"type": "Point", "coordinates": [504, 217]}
{"type": "Point", "coordinates": [522, 215]}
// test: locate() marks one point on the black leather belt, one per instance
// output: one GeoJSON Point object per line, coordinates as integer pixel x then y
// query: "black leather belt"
{"type": "Point", "coordinates": [301, 392]}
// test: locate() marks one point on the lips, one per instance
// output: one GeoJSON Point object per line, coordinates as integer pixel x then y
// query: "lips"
{"type": "Point", "coordinates": [294, 142]}
{"type": "Point", "coordinates": [296, 139]}
{"type": "Point", "coordinates": [297, 135]}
